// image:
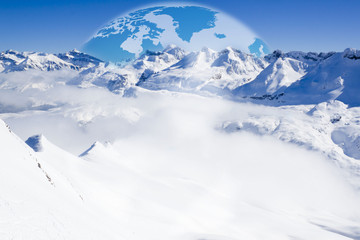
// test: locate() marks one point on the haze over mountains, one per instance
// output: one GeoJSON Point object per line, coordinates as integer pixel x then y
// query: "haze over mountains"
{"type": "Point", "coordinates": [180, 145]}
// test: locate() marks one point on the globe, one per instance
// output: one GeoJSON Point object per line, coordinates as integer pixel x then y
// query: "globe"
{"type": "Point", "coordinates": [186, 26]}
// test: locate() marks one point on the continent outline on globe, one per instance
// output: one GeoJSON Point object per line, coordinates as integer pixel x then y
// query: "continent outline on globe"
{"type": "Point", "coordinates": [186, 26]}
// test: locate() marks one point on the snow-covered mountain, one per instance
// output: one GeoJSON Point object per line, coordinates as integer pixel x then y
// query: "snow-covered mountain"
{"type": "Point", "coordinates": [277, 79]}
{"type": "Point", "coordinates": [118, 79]}
{"type": "Point", "coordinates": [11, 61]}
{"type": "Point", "coordinates": [284, 69]}
{"type": "Point", "coordinates": [323, 77]}
{"type": "Point", "coordinates": [207, 71]}
{"type": "Point", "coordinates": [279, 75]}
{"type": "Point", "coordinates": [307, 57]}
{"type": "Point", "coordinates": [337, 77]}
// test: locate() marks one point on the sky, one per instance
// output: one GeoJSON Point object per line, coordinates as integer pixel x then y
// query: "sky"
{"type": "Point", "coordinates": [61, 25]}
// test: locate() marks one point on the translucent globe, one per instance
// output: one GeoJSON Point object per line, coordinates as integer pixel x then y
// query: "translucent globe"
{"type": "Point", "coordinates": [154, 28]}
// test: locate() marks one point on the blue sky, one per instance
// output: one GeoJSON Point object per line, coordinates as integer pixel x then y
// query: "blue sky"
{"type": "Point", "coordinates": [61, 25]}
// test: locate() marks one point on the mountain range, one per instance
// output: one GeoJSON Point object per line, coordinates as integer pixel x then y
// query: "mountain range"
{"type": "Point", "coordinates": [276, 79]}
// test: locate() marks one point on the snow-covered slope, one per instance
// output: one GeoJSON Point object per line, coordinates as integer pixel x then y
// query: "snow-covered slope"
{"type": "Point", "coordinates": [283, 71]}
{"type": "Point", "coordinates": [325, 127]}
{"type": "Point", "coordinates": [279, 75]}
{"type": "Point", "coordinates": [337, 77]}
{"type": "Point", "coordinates": [36, 201]}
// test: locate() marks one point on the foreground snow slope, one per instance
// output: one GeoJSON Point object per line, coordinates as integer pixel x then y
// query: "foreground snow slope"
{"type": "Point", "coordinates": [170, 172]}
{"type": "Point", "coordinates": [36, 202]}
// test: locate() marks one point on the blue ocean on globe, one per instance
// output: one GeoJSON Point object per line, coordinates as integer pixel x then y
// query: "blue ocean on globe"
{"type": "Point", "coordinates": [188, 27]}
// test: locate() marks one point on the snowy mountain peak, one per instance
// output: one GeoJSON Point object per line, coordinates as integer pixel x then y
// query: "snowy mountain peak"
{"type": "Point", "coordinates": [75, 51]}
{"type": "Point", "coordinates": [279, 75]}
{"type": "Point", "coordinates": [351, 53]}
{"type": "Point", "coordinates": [10, 52]}
{"type": "Point", "coordinates": [11, 57]}
{"type": "Point", "coordinates": [208, 50]}
{"type": "Point", "coordinates": [77, 58]}
{"type": "Point", "coordinates": [11, 61]}
{"type": "Point", "coordinates": [176, 51]}
{"type": "Point", "coordinates": [308, 57]}
{"type": "Point", "coordinates": [206, 71]}
{"type": "Point", "coordinates": [274, 55]}
{"type": "Point", "coordinates": [336, 77]}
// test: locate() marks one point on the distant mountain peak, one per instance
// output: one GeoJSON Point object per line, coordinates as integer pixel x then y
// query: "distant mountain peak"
{"type": "Point", "coordinates": [75, 51]}
{"type": "Point", "coordinates": [351, 54]}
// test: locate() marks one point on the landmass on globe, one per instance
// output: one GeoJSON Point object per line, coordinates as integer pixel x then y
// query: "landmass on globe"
{"type": "Point", "coordinates": [154, 28]}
